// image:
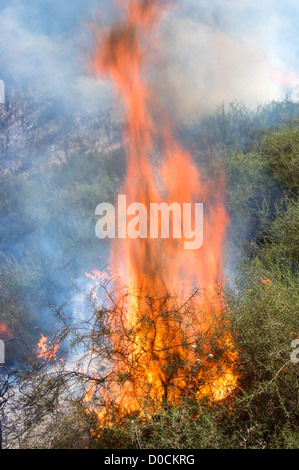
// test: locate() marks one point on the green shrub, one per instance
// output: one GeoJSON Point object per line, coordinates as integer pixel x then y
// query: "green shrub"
{"type": "Point", "coordinates": [281, 148]}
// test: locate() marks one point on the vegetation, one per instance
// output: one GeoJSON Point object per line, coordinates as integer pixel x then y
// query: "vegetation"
{"type": "Point", "coordinates": [260, 155]}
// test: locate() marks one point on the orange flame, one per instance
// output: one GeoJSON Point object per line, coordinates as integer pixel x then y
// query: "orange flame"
{"type": "Point", "coordinates": [267, 283]}
{"type": "Point", "coordinates": [159, 266]}
{"type": "Point", "coordinates": [45, 350]}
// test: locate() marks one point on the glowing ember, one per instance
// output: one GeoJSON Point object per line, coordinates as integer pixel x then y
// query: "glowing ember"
{"type": "Point", "coordinates": [164, 354]}
{"type": "Point", "coordinates": [5, 330]}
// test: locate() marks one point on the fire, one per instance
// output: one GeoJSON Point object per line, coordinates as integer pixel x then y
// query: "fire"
{"type": "Point", "coordinates": [163, 356]}
{"type": "Point", "coordinates": [45, 350]}
{"type": "Point", "coordinates": [283, 74]}
{"type": "Point", "coordinates": [267, 283]}
{"type": "Point", "coordinates": [5, 330]}
{"type": "Point", "coordinates": [99, 278]}
{"type": "Point", "coordinates": [97, 275]}
{"type": "Point", "coordinates": [286, 77]}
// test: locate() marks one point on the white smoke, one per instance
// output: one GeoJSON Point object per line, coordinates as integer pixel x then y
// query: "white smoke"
{"type": "Point", "coordinates": [221, 51]}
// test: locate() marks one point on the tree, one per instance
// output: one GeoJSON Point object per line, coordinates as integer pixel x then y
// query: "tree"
{"type": "Point", "coordinates": [7, 392]}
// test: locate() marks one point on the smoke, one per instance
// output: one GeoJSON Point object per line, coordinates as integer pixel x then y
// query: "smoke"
{"type": "Point", "coordinates": [215, 51]}
{"type": "Point", "coordinates": [222, 51]}
{"type": "Point", "coordinates": [46, 43]}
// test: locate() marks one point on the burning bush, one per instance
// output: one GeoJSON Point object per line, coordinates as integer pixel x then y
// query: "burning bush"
{"type": "Point", "coordinates": [166, 356]}
{"type": "Point", "coordinates": [157, 366]}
